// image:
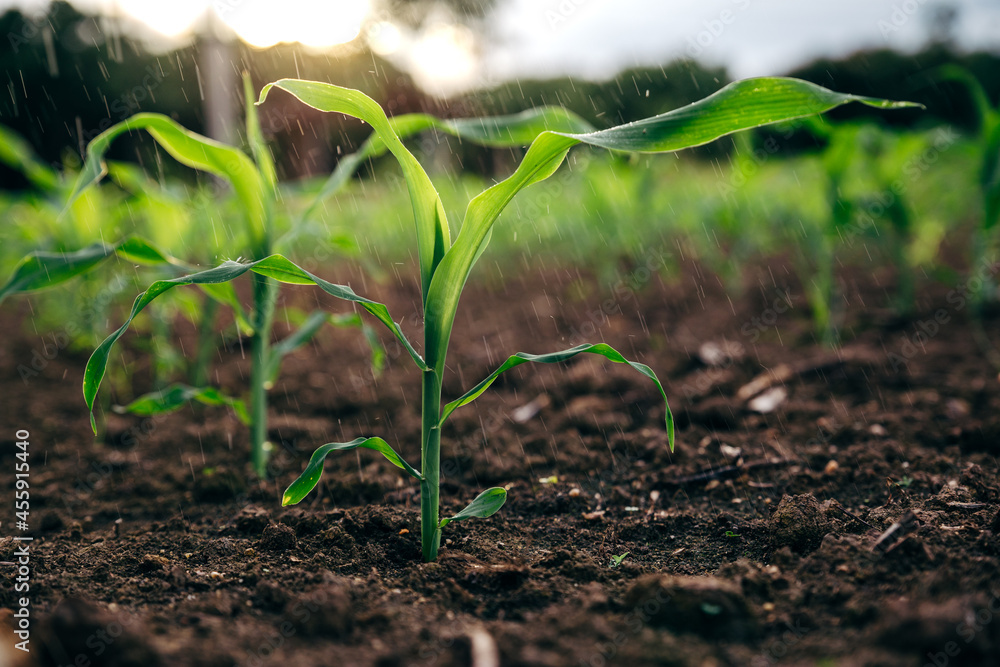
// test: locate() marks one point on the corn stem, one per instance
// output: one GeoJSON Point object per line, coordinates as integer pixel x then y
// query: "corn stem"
{"type": "Point", "coordinates": [264, 296]}
{"type": "Point", "coordinates": [430, 464]}
{"type": "Point", "coordinates": [206, 343]}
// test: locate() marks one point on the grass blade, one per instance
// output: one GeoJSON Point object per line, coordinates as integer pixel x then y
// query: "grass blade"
{"type": "Point", "coordinates": [192, 150]}
{"type": "Point", "coordinates": [485, 504]}
{"type": "Point", "coordinates": [175, 396]}
{"type": "Point", "coordinates": [310, 477]}
{"type": "Point", "coordinates": [519, 358]}
{"type": "Point", "coordinates": [275, 266]}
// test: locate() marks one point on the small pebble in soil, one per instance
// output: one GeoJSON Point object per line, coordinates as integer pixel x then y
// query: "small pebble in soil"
{"type": "Point", "coordinates": [798, 523]}
{"type": "Point", "coordinates": [277, 537]}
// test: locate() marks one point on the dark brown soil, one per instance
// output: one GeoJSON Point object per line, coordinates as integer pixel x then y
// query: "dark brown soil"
{"type": "Point", "coordinates": [156, 546]}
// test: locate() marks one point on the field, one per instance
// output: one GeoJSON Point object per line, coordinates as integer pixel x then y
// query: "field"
{"type": "Point", "coordinates": [831, 498]}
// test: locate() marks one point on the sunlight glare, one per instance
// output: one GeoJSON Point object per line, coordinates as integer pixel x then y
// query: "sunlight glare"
{"type": "Point", "coordinates": [311, 23]}
{"type": "Point", "coordinates": [444, 58]}
{"type": "Point", "coordinates": [171, 19]}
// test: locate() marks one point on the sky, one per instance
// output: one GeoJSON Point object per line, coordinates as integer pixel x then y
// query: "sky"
{"type": "Point", "coordinates": [587, 38]}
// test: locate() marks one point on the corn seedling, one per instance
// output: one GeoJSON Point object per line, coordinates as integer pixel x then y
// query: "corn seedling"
{"type": "Point", "coordinates": [838, 158]}
{"type": "Point", "coordinates": [254, 184]}
{"type": "Point", "coordinates": [913, 238]}
{"type": "Point", "coordinates": [445, 265]}
{"type": "Point", "coordinates": [987, 140]}
{"type": "Point", "coordinates": [617, 560]}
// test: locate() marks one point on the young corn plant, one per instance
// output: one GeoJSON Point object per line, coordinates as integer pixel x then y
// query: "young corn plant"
{"type": "Point", "coordinates": [914, 236]}
{"type": "Point", "coordinates": [445, 265]}
{"type": "Point", "coordinates": [254, 183]}
{"type": "Point", "coordinates": [987, 139]}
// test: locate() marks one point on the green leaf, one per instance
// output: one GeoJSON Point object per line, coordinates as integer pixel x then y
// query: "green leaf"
{"type": "Point", "coordinates": [310, 477]}
{"type": "Point", "coordinates": [297, 339]}
{"type": "Point", "coordinates": [282, 270]}
{"type": "Point", "coordinates": [486, 504]}
{"type": "Point", "coordinates": [601, 349]}
{"type": "Point", "coordinates": [275, 266]}
{"type": "Point", "coordinates": [258, 147]}
{"type": "Point", "coordinates": [176, 396]}
{"type": "Point", "coordinates": [433, 234]}
{"type": "Point", "coordinates": [192, 150]}
{"type": "Point", "coordinates": [374, 344]}
{"type": "Point", "coordinates": [497, 131]}
{"type": "Point", "coordinates": [988, 116]}
{"type": "Point", "coordinates": [43, 269]}
{"type": "Point", "coordinates": [738, 106]}
{"type": "Point", "coordinates": [18, 154]}
{"type": "Point", "coordinates": [225, 294]}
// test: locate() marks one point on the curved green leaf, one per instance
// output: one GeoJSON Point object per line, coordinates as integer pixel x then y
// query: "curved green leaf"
{"type": "Point", "coordinates": [497, 131]}
{"type": "Point", "coordinates": [275, 266]}
{"type": "Point", "coordinates": [294, 341]}
{"type": "Point", "coordinates": [258, 147]}
{"type": "Point", "coordinates": [433, 235]}
{"type": "Point", "coordinates": [43, 269]}
{"type": "Point", "coordinates": [988, 116]}
{"type": "Point", "coordinates": [485, 504]}
{"type": "Point", "coordinates": [176, 396]}
{"type": "Point", "coordinates": [601, 349]}
{"type": "Point", "coordinates": [310, 477]}
{"type": "Point", "coordinates": [374, 344]}
{"type": "Point", "coordinates": [309, 327]}
{"type": "Point", "coordinates": [192, 150]}
{"type": "Point", "coordinates": [282, 270]}
{"type": "Point", "coordinates": [18, 154]}
{"type": "Point", "coordinates": [225, 294]}
{"type": "Point", "coordinates": [738, 106]}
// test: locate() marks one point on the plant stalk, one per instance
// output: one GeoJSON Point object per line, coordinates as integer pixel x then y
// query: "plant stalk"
{"type": "Point", "coordinates": [264, 296]}
{"type": "Point", "coordinates": [206, 343]}
{"type": "Point", "coordinates": [430, 464]}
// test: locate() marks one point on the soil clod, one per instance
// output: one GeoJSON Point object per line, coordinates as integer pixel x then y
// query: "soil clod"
{"type": "Point", "coordinates": [798, 523]}
{"type": "Point", "coordinates": [277, 537]}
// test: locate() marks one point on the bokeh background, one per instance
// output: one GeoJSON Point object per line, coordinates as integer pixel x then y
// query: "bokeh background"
{"type": "Point", "coordinates": [72, 70]}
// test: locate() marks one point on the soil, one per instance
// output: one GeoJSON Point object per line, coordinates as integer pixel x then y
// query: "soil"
{"type": "Point", "coordinates": [845, 513]}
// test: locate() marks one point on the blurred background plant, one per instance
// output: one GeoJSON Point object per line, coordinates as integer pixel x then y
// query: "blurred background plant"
{"type": "Point", "coordinates": [814, 193]}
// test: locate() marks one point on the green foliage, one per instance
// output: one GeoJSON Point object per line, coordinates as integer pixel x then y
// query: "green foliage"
{"type": "Point", "coordinates": [617, 560]}
{"type": "Point", "coordinates": [176, 396]}
{"type": "Point", "coordinates": [445, 266]}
